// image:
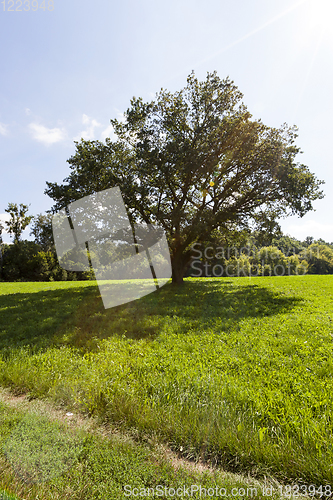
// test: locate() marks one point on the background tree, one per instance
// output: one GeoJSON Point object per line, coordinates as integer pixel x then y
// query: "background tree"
{"type": "Point", "coordinates": [19, 262]}
{"type": "Point", "coordinates": [18, 219]}
{"type": "Point", "coordinates": [319, 258]}
{"type": "Point", "coordinates": [26, 262]}
{"type": "Point", "coordinates": [308, 240]}
{"type": "Point", "coordinates": [194, 162]}
{"type": "Point", "coordinates": [42, 231]}
{"type": "Point", "coordinates": [288, 245]}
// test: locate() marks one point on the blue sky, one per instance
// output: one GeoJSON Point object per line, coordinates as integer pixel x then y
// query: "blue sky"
{"type": "Point", "coordinates": [66, 72]}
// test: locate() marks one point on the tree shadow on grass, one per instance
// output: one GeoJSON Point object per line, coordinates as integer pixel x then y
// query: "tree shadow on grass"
{"type": "Point", "coordinates": [76, 316]}
{"type": "Point", "coordinates": [35, 318]}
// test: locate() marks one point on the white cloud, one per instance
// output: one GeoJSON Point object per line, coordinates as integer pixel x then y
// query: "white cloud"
{"type": "Point", "coordinates": [310, 228]}
{"type": "Point", "coordinates": [45, 135]}
{"type": "Point", "coordinates": [89, 133]}
{"type": "Point", "coordinates": [108, 132]}
{"type": "Point", "coordinates": [27, 111]}
{"type": "Point", "coordinates": [3, 129]}
{"type": "Point", "coordinates": [85, 119]}
{"type": "Point", "coordinates": [121, 116]}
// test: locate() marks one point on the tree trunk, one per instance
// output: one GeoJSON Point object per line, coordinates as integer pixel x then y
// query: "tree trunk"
{"type": "Point", "coordinates": [179, 264]}
{"type": "Point", "coordinates": [177, 277]}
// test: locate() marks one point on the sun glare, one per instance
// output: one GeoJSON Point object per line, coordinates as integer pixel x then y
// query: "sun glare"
{"type": "Point", "coordinates": [318, 17]}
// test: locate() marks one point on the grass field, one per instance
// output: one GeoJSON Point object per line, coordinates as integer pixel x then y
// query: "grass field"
{"type": "Point", "coordinates": [236, 372]}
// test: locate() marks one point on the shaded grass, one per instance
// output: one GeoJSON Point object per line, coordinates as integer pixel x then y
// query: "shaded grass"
{"type": "Point", "coordinates": [42, 315]}
{"type": "Point", "coordinates": [235, 371]}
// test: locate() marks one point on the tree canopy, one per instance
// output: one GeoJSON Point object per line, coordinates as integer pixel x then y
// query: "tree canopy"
{"type": "Point", "coordinates": [194, 161]}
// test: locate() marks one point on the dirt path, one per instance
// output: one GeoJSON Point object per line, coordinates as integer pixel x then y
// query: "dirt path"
{"type": "Point", "coordinates": [78, 422]}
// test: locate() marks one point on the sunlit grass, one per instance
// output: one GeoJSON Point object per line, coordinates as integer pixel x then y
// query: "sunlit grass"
{"type": "Point", "coordinates": [236, 371]}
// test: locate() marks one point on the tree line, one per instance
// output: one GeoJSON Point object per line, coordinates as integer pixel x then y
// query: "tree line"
{"type": "Point", "coordinates": [239, 253]}
{"type": "Point", "coordinates": [26, 260]}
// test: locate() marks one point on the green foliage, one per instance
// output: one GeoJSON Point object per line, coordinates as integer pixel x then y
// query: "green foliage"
{"type": "Point", "coordinates": [25, 261]}
{"type": "Point", "coordinates": [42, 231]}
{"type": "Point", "coordinates": [267, 261]}
{"type": "Point", "coordinates": [18, 219]}
{"type": "Point", "coordinates": [237, 371]}
{"type": "Point", "coordinates": [194, 161]}
{"type": "Point", "coordinates": [288, 245]}
{"type": "Point", "coordinates": [319, 259]}
{"type": "Point", "coordinates": [19, 261]}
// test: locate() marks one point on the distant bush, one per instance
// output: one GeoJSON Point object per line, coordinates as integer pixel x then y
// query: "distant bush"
{"type": "Point", "coordinates": [19, 261]}
{"type": "Point", "coordinates": [319, 259]}
{"type": "Point", "coordinates": [26, 261]}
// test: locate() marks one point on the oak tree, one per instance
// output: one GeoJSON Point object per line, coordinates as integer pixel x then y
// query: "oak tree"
{"type": "Point", "coordinates": [194, 161]}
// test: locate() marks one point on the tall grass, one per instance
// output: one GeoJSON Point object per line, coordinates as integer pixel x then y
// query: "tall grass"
{"type": "Point", "coordinates": [235, 371]}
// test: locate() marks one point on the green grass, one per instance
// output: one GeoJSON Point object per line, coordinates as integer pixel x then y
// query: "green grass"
{"type": "Point", "coordinates": [100, 464]}
{"type": "Point", "coordinates": [4, 495]}
{"type": "Point", "coordinates": [234, 371]}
